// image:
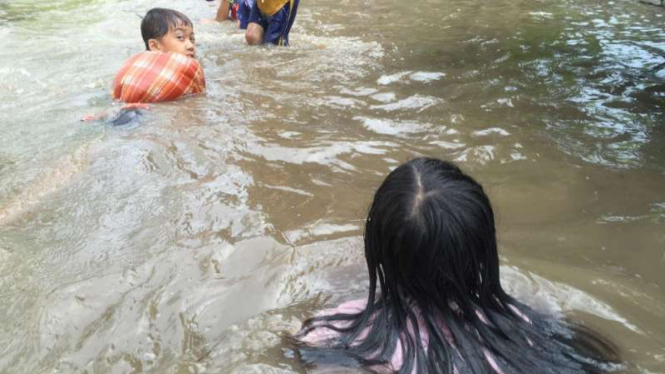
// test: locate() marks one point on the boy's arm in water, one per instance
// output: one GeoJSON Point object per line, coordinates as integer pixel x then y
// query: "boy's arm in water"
{"type": "Point", "coordinates": [222, 13]}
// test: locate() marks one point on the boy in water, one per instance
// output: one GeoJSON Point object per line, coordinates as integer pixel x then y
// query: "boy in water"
{"type": "Point", "coordinates": [168, 30]}
{"type": "Point", "coordinates": [168, 69]}
{"type": "Point", "coordinates": [155, 77]}
{"type": "Point", "coordinates": [270, 21]}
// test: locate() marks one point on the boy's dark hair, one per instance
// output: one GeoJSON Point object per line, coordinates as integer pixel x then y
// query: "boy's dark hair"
{"type": "Point", "coordinates": [158, 21]}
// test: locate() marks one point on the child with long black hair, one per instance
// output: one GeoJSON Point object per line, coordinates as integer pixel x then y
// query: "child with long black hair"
{"type": "Point", "coordinates": [430, 246]}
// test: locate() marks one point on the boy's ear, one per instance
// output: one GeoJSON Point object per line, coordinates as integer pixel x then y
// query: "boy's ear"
{"type": "Point", "coordinates": [154, 45]}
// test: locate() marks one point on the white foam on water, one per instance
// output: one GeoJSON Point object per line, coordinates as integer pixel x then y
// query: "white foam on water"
{"type": "Point", "coordinates": [385, 97]}
{"type": "Point", "coordinates": [630, 55]}
{"type": "Point", "coordinates": [447, 145]}
{"type": "Point", "coordinates": [418, 76]}
{"type": "Point", "coordinates": [388, 79]}
{"type": "Point", "coordinates": [362, 91]}
{"type": "Point", "coordinates": [480, 154]}
{"type": "Point", "coordinates": [288, 189]}
{"type": "Point", "coordinates": [391, 127]}
{"type": "Point", "coordinates": [490, 131]}
{"type": "Point", "coordinates": [290, 134]}
{"type": "Point", "coordinates": [426, 76]}
{"type": "Point", "coordinates": [325, 154]}
{"type": "Point", "coordinates": [541, 14]}
{"type": "Point", "coordinates": [559, 297]}
{"type": "Point", "coordinates": [516, 156]}
{"type": "Point", "coordinates": [320, 229]}
{"type": "Point", "coordinates": [341, 101]}
{"type": "Point", "coordinates": [419, 102]}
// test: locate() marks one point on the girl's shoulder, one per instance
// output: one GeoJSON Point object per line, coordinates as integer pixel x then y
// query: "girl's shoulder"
{"type": "Point", "coordinates": [321, 332]}
{"type": "Point", "coordinates": [350, 307]}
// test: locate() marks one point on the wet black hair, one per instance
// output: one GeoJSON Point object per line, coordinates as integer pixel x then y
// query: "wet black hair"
{"type": "Point", "coordinates": [430, 246]}
{"type": "Point", "coordinates": [158, 21]}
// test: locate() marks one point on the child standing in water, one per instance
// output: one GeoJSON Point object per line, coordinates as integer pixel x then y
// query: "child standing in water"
{"type": "Point", "coordinates": [430, 247]}
{"type": "Point", "coordinates": [270, 21]}
{"type": "Point", "coordinates": [266, 21]}
{"type": "Point", "coordinates": [236, 10]}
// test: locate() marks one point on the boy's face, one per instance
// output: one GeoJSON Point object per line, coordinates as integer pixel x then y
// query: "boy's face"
{"type": "Point", "coordinates": [177, 40]}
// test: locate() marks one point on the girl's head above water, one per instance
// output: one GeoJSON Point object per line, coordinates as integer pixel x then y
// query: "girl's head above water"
{"type": "Point", "coordinates": [435, 302]}
{"type": "Point", "coordinates": [430, 236]}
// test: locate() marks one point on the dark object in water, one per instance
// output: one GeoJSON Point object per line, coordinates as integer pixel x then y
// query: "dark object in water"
{"type": "Point", "coordinates": [662, 3]}
{"type": "Point", "coordinates": [126, 116]}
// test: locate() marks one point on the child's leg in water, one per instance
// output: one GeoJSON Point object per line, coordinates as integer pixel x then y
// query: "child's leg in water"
{"type": "Point", "coordinates": [127, 114]}
{"type": "Point", "coordinates": [56, 176]}
{"type": "Point", "coordinates": [64, 170]}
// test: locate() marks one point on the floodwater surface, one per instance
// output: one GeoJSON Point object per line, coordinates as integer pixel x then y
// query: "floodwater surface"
{"type": "Point", "coordinates": [188, 242]}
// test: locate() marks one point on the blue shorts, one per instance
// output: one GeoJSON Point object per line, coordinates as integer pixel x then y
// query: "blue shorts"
{"type": "Point", "coordinates": [277, 26]}
{"type": "Point", "coordinates": [244, 9]}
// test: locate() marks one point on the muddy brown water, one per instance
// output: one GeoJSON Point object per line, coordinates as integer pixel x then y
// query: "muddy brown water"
{"type": "Point", "coordinates": [188, 242]}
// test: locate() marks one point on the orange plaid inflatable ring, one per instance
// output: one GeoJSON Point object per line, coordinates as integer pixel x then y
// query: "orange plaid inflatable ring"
{"type": "Point", "coordinates": [151, 77]}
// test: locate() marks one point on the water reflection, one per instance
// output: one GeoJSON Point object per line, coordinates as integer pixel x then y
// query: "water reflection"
{"type": "Point", "coordinates": [614, 59]}
{"type": "Point", "coordinates": [190, 241]}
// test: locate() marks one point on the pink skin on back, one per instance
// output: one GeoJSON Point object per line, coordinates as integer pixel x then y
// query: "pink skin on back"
{"type": "Point", "coordinates": [322, 334]}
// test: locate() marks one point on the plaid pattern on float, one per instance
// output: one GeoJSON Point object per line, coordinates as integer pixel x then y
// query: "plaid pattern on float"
{"type": "Point", "coordinates": [150, 77]}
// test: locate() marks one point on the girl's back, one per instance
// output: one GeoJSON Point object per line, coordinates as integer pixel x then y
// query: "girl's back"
{"type": "Point", "coordinates": [430, 246]}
